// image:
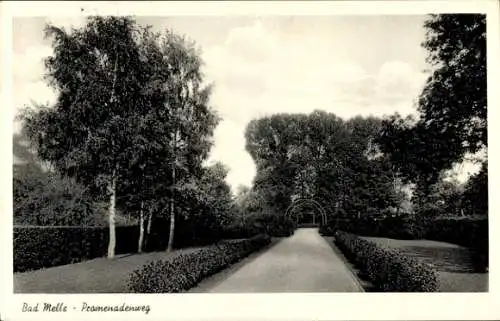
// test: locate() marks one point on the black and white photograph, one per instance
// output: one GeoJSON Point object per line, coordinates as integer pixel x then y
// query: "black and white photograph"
{"type": "Point", "coordinates": [250, 153]}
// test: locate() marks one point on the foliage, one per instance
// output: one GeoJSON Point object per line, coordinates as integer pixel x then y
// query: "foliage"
{"type": "Point", "coordinates": [391, 226]}
{"type": "Point", "coordinates": [43, 247]}
{"type": "Point", "coordinates": [318, 156]}
{"type": "Point", "coordinates": [239, 231]}
{"type": "Point", "coordinates": [204, 205]}
{"type": "Point", "coordinates": [131, 121]}
{"type": "Point", "coordinates": [44, 198]}
{"type": "Point", "coordinates": [185, 270]}
{"type": "Point", "coordinates": [87, 133]}
{"type": "Point", "coordinates": [389, 270]}
{"type": "Point", "coordinates": [475, 194]}
{"type": "Point", "coordinates": [41, 197]}
{"type": "Point", "coordinates": [452, 107]}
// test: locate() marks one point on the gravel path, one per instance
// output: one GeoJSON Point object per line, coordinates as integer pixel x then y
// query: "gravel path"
{"type": "Point", "coordinates": [303, 262]}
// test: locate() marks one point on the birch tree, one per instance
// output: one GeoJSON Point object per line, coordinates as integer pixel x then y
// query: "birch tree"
{"type": "Point", "coordinates": [193, 120]}
{"type": "Point", "coordinates": [88, 133]}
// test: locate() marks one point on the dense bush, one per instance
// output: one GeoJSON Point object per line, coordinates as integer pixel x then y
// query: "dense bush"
{"type": "Point", "coordinates": [327, 229]}
{"type": "Point", "coordinates": [273, 224]}
{"type": "Point", "coordinates": [389, 270]}
{"type": "Point", "coordinates": [186, 270]}
{"type": "Point", "coordinates": [188, 232]}
{"type": "Point", "coordinates": [239, 231]}
{"type": "Point", "coordinates": [42, 247]}
{"type": "Point", "coordinates": [468, 232]}
{"type": "Point", "coordinates": [46, 198]}
{"type": "Point", "coordinates": [259, 223]}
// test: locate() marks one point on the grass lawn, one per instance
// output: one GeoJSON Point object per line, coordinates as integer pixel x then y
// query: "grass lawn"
{"type": "Point", "coordinates": [99, 275]}
{"type": "Point", "coordinates": [453, 262]}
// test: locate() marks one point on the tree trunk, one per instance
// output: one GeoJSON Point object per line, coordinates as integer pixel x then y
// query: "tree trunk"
{"type": "Point", "coordinates": [141, 228]}
{"type": "Point", "coordinates": [147, 238]}
{"type": "Point", "coordinates": [170, 245]}
{"type": "Point", "coordinates": [111, 216]}
{"type": "Point", "coordinates": [172, 217]}
{"type": "Point", "coordinates": [150, 218]}
{"type": "Point", "coordinates": [112, 188]}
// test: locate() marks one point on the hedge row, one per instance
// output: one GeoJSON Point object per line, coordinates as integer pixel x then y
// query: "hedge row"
{"type": "Point", "coordinates": [42, 247]}
{"type": "Point", "coordinates": [387, 269]}
{"type": "Point", "coordinates": [400, 227]}
{"type": "Point", "coordinates": [471, 233]}
{"type": "Point", "coordinates": [259, 223]}
{"type": "Point", "coordinates": [468, 232]}
{"type": "Point", "coordinates": [47, 246]}
{"type": "Point", "coordinates": [186, 270]}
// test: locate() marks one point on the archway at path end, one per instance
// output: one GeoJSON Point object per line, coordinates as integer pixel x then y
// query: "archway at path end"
{"type": "Point", "coordinates": [302, 203]}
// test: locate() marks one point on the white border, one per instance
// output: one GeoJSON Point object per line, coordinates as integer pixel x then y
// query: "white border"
{"type": "Point", "coordinates": [365, 306]}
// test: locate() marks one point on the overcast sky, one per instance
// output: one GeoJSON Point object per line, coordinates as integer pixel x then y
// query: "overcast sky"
{"type": "Point", "coordinates": [347, 65]}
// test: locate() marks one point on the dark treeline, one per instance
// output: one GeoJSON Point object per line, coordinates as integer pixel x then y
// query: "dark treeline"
{"type": "Point", "coordinates": [321, 157]}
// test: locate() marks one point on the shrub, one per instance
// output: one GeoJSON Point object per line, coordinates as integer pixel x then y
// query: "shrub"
{"type": "Point", "coordinates": [46, 198]}
{"type": "Point", "coordinates": [185, 270]}
{"type": "Point", "coordinates": [260, 223]}
{"type": "Point", "coordinates": [274, 224]}
{"type": "Point", "coordinates": [388, 269]}
{"type": "Point", "coordinates": [42, 247]}
{"type": "Point", "coordinates": [327, 230]}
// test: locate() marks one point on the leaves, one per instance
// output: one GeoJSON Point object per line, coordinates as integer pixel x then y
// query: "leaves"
{"type": "Point", "coordinates": [452, 106]}
{"type": "Point", "coordinates": [131, 103]}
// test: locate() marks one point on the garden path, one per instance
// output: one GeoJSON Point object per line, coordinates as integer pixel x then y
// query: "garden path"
{"type": "Point", "coordinates": [304, 262]}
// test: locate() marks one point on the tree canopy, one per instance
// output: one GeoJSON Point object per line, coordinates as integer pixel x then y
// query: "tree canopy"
{"type": "Point", "coordinates": [452, 108]}
{"type": "Point", "coordinates": [131, 121]}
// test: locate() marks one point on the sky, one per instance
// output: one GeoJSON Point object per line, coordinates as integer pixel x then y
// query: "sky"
{"type": "Point", "coordinates": [347, 65]}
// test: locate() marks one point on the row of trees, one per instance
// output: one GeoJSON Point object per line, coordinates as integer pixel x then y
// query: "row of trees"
{"type": "Point", "coordinates": [132, 124]}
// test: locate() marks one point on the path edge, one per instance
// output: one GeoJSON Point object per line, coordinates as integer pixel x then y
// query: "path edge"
{"type": "Point", "coordinates": [331, 242]}
{"type": "Point", "coordinates": [206, 284]}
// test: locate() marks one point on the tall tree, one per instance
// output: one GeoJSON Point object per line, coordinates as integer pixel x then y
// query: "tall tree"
{"type": "Point", "coordinates": [88, 133]}
{"type": "Point", "coordinates": [193, 119]}
{"type": "Point", "coordinates": [132, 112]}
{"type": "Point", "coordinates": [452, 107]}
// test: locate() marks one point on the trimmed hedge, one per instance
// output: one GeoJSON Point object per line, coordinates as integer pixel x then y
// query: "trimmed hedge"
{"type": "Point", "coordinates": [43, 247]}
{"type": "Point", "coordinates": [260, 223]}
{"type": "Point", "coordinates": [399, 227]}
{"type": "Point", "coordinates": [186, 270]}
{"type": "Point", "coordinates": [48, 246]}
{"type": "Point", "coordinates": [468, 232]}
{"type": "Point", "coordinates": [387, 269]}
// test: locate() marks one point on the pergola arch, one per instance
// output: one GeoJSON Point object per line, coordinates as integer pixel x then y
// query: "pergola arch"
{"type": "Point", "coordinates": [298, 203]}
